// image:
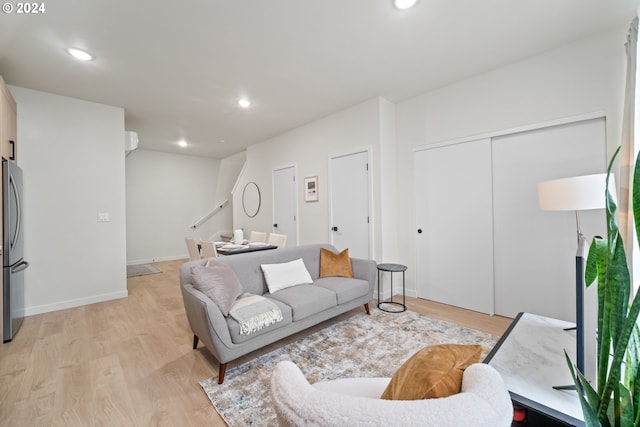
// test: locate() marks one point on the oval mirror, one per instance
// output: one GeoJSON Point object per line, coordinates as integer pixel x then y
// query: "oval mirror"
{"type": "Point", "coordinates": [251, 199]}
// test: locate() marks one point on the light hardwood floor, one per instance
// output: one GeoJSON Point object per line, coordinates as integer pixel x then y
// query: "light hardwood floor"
{"type": "Point", "coordinates": [129, 362]}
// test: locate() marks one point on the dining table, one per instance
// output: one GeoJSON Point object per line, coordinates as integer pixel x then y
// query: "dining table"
{"type": "Point", "coordinates": [228, 248]}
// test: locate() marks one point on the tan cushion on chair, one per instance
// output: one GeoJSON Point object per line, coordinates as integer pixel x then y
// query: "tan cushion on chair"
{"type": "Point", "coordinates": [434, 371]}
{"type": "Point", "coordinates": [335, 265]}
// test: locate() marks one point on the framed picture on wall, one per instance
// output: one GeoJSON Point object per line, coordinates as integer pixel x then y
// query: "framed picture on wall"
{"type": "Point", "coordinates": [311, 189]}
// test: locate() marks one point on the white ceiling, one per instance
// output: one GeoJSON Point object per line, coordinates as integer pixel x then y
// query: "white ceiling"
{"type": "Point", "coordinates": [178, 67]}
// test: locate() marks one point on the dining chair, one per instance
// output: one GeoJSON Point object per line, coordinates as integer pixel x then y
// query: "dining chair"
{"type": "Point", "coordinates": [194, 253]}
{"type": "Point", "coordinates": [258, 236]}
{"type": "Point", "coordinates": [278, 240]}
{"type": "Point", "coordinates": [208, 249]}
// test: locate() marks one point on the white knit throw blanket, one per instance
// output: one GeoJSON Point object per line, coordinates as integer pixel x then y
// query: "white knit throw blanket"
{"type": "Point", "coordinates": [254, 312]}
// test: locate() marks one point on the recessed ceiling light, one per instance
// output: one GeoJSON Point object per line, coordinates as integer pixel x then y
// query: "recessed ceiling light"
{"type": "Point", "coordinates": [404, 4]}
{"type": "Point", "coordinates": [182, 143]}
{"type": "Point", "coordinates": [244, 103]}
{"type": "Point", "coordinates": [80, 54]}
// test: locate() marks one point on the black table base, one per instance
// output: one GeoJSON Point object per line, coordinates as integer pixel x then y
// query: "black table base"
{"type": "Point", "coordinates": [392, 268]}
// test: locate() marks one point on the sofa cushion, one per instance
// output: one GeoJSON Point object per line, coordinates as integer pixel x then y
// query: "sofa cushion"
{"type": "Point", "coordinates": [432, 372]}
{"type": "Point", "coordinates": [306, 300]}
{"type": "Point", "coordinates": [286, 274]}
{"type": "Point", "coordinates": [234, 326]}
{"type": "Point", "coordinates": [345, 289]}
{"type": "Point", "coordinates": [332, 264]}
{"type": "Point", "coordinates": [219, 283]}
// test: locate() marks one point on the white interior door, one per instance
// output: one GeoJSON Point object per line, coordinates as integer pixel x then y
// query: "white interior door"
{"type": "Point", "coordinates": [285, 204]}
{"type": "Point", "coordinates": [349, 189]}
{"type": "Point", "coordinates": [454, 225]}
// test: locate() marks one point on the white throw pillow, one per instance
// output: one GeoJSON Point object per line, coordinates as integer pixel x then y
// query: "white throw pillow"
{"type": "Point", "coordinates": [285, 275]}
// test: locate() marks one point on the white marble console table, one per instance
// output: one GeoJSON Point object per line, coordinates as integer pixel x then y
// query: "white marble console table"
{"type": "Point", "coordinates": [530, 357]}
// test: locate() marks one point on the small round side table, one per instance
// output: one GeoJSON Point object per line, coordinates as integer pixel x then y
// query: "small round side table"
{"type": "Point", "coordinates": [392, 268]}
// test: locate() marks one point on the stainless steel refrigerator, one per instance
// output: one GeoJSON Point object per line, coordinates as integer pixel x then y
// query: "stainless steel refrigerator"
{"type": "Point", "coordinates": [13, 263]}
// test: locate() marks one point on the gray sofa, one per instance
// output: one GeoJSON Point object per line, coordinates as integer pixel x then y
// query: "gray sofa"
{"type": "Point", "coordinates": [302, 306]}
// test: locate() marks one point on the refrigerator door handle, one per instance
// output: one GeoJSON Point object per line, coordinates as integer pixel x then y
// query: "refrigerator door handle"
{"type": "Point", "coordinates": [21, 266]}
{"type": "Point", "coordinates": [15, 237]}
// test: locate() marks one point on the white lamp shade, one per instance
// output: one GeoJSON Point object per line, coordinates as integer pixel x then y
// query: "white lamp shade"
{"type": "Point", "coordinates": [577, 193]}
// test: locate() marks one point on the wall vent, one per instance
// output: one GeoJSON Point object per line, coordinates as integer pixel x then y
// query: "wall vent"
{"type": "Point", "coordinates": [130, 142]}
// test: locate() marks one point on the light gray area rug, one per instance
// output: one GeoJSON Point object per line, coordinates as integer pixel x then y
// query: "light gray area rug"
{"type": "Point", "coordinates": [361, 346]}
{"type": "Point", "coordinates": [141, 270]}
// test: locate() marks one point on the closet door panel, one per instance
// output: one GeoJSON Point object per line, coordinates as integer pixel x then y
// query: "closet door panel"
{"type": "Point", "coordinates": [534, 250]}
{"type": "Point", "coordinates": [454, 214]}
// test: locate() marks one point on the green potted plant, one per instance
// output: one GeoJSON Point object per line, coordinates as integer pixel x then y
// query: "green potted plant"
{"type": "Point", "coordinates": [615, 401]}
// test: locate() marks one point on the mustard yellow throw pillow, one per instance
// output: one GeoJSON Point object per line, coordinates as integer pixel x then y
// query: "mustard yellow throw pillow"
{"type": "Point", "coordinates": [434, 371]}
{"type": "Point", "coordinates": [332, 264]}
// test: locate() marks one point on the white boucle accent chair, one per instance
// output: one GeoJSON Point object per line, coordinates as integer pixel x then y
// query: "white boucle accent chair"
{"type": "Point", "coordinates": [483, 402]}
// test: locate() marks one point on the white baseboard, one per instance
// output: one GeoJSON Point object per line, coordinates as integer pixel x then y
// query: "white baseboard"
{"type": "Point", "coordinates": [158, 259]}
{"type": "Point", "coordinates": [46, 308]}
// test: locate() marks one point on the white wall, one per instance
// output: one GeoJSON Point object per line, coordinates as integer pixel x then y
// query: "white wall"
{"type": "Point", "coordinates": [387, 181]}
{"type": "Point", "coordinates": [309, 147]}
{"type": "Point", "coordinates": [166, 194]}
{"type": "Point", "coordinates": [72, 155]}
{"type": "Point", "coordinates": [582, 77]}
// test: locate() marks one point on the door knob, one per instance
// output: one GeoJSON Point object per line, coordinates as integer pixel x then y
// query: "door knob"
{"type": "Point", "coordinates": [419, 230]}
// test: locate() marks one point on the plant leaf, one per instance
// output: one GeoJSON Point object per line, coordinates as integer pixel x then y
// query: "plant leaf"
{"type": "Point", "coordinates": [600, 252]}
{"type": "Point", "coordinates": [618, 288]}
{"type": "Point", "coordinates": [632, 372]}
{"type": "Point", "coordinates": [590, 413]}
{"type": "Point", "coordinates": [610, 204]}
{"type": "Point", "coordinates": [618, 355]}
{"type": "Point", "coordinates": [589, 392]}
{"type": "Point", "coordinates": [626, 417]}
{"type": "Point", "coordinates": [591, 267]}
{"type": "Point", "coordinates": [632, 360]}
{"type": "Point", "coordinates": [635, 196]}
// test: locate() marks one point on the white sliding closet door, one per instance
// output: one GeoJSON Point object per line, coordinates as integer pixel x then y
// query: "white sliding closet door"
{"type": "Point", "coordinates": [534, 250]}
{"type": "Point", "coordinates": [454, 225]}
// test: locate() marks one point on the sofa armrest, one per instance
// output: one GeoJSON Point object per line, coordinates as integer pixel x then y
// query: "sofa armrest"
{"type": "Point", "coordinates": [206, 320]}
{"type": "Point", "coordinates": [365, 269]}
{"type": "Point", "coordinates": [486, 383]}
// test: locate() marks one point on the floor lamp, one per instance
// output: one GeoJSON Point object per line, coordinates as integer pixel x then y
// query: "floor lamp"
{"type": "Point", "coordinates": [576, 194]}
